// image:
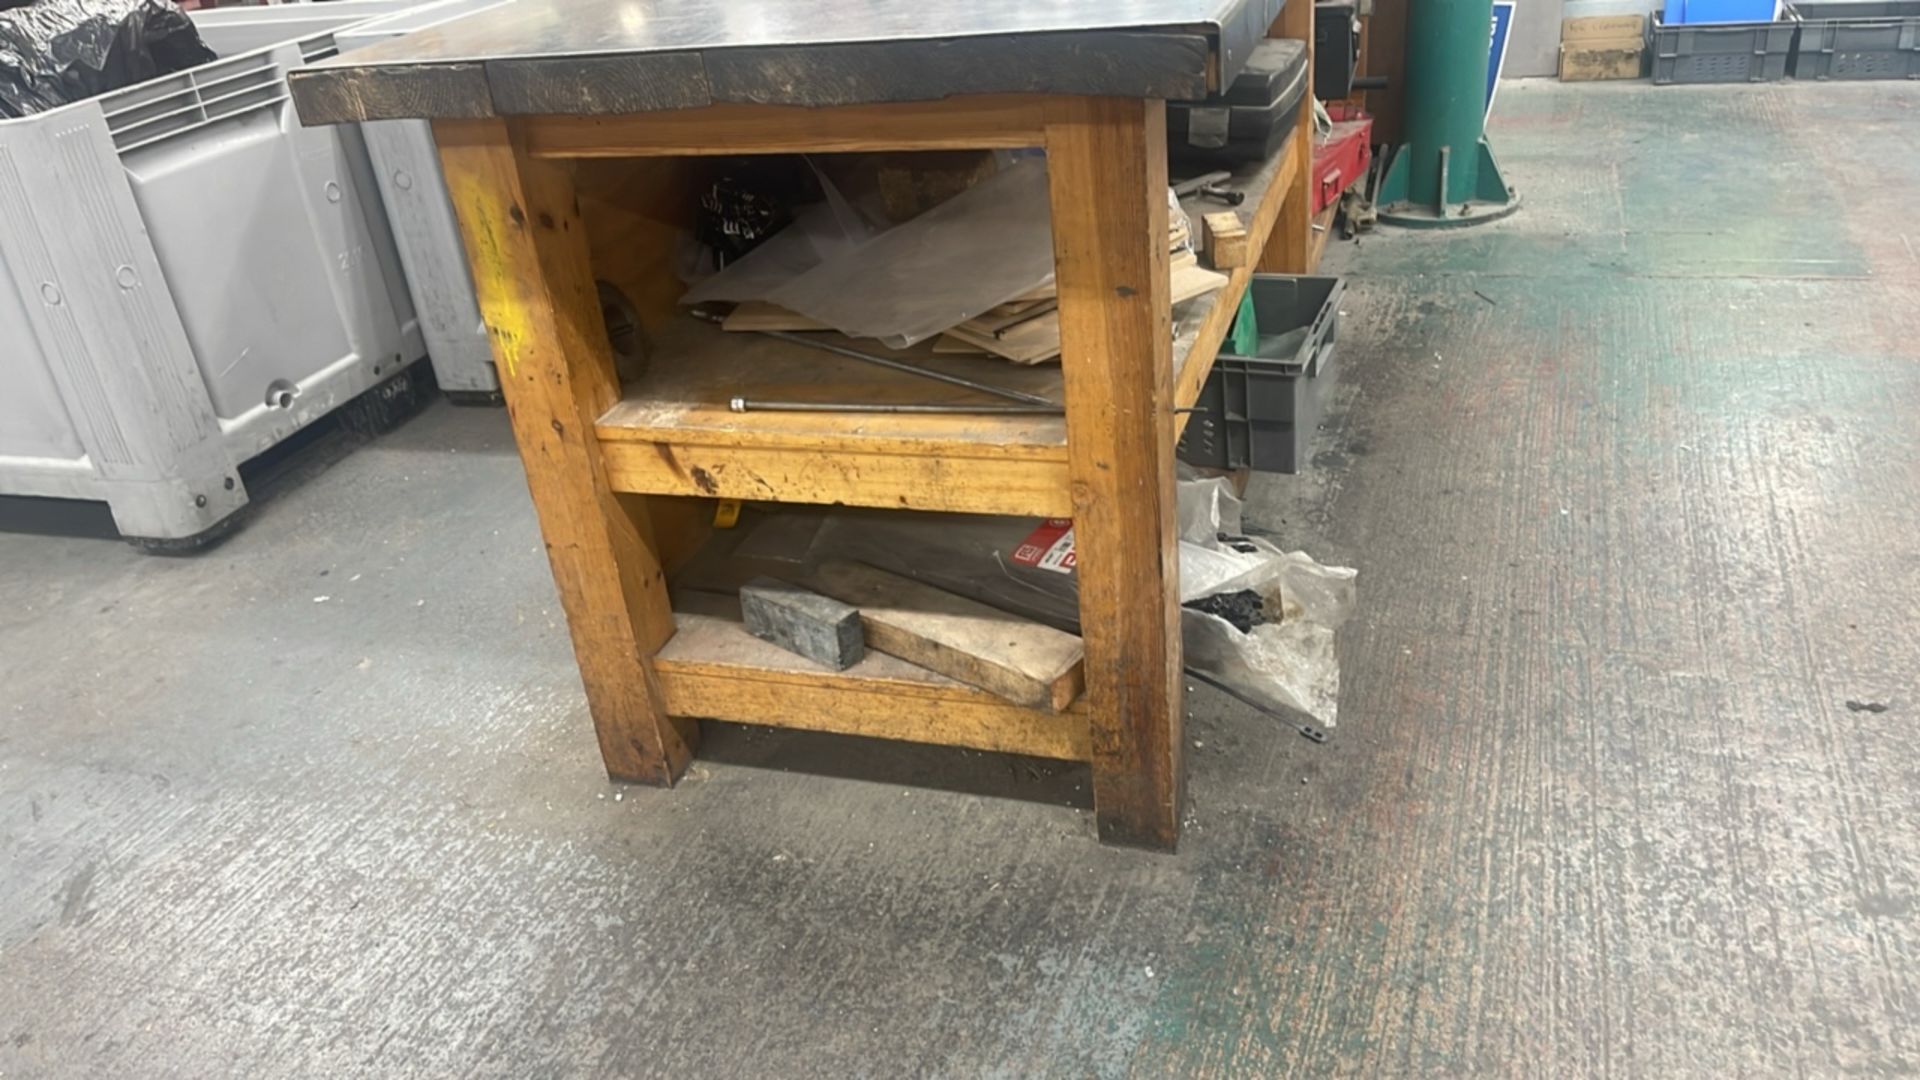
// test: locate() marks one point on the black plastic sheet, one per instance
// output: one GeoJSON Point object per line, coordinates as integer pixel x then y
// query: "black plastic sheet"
{"type": "Point", "coordinates": [56, 52]}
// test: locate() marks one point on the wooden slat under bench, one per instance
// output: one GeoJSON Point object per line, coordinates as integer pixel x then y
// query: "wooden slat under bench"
{"type": "Point", "coordinates": [713, 668]}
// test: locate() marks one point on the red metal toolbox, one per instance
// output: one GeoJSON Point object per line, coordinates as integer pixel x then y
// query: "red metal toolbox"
{"type": "Point", "coordinates": [1341, 158]}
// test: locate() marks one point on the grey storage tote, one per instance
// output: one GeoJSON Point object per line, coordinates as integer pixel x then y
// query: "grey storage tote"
{"type": "Point", "coordinates": [1260, 412]}
{"type": "Point", "coordinates": [1720, 52]}
{"type": "Point", "coordinates": [1874, 39]}
{"type": "Point", "coordinates": [187, 277]}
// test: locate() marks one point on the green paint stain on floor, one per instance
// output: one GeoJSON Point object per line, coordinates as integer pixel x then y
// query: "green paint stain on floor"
{"type": "Point", "coordinates": [1601, 465]}
{"type": "Point", "coordinates": [1619, 180]}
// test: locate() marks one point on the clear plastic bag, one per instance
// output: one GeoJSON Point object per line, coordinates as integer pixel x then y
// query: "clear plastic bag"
{"type": "Point", "coordinates": [979, 249]}
{"type": "Point", "coordinates": [1018, 565]}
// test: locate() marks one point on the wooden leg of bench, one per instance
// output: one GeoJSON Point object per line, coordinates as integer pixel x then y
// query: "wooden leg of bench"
{"type": "Point", "coordinates": [1289, 248]}
{"type": "Point", "coordinates": [529, 256]}
{"type": "Point", "coordinates": [1106, 159]}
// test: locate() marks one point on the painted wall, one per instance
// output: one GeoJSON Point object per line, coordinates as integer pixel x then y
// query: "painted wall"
{"type": "Point", "coordinates": [1533, 48]}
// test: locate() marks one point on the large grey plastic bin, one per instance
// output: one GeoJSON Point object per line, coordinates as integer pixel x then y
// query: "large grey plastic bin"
{"type": "Point", "coordinates": [187, 277]}
{"type": "Point", "coordinates": [407, 167]}
{"type": "Point", "coordinates": [230, 31]}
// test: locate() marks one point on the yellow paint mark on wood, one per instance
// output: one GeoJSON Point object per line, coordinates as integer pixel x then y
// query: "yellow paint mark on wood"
{"type": "Point", "coordinates": [495, 285]}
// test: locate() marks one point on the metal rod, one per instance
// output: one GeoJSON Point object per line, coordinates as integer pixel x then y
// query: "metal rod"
{"type": "Point", "coordinates": [1307, 730]}
{"type": "Point", "coordinates": [897, 365]}
{"type": "Point", "coordinates": [741, 404]}
{"type": "Point", "coordinates": [1204, 180]}
{"type": "Point", "coordinates": [913, 369]}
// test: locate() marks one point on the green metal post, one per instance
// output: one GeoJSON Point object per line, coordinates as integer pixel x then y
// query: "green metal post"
{"type": "Point", "coordinates": [1444, 173]}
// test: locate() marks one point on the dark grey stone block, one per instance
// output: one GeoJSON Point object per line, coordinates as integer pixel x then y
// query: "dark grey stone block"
{"type": "Point", "coordinates": [799, 620]}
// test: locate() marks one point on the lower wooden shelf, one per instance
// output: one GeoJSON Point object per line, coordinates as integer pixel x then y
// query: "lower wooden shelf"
{"type": "Point", "coordinates": [712, 668]}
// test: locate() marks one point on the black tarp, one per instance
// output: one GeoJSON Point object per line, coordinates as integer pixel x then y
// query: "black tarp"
{"type": "Point", "coordinates": [55, 52]}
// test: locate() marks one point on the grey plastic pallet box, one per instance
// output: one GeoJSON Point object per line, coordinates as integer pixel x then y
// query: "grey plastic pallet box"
{"type": "Point", "coordinates": [407, 167]}
{"type": "Point", "coordinates": [1859, 39]}
{"type": "Point", "coordinates": [1720, 52]}
{"type": "Point", "coordinates": [187, 277]}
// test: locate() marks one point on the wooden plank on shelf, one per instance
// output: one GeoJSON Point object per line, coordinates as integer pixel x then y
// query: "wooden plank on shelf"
{"type": "Point", "coordinates": [1038, 339]}
{"type": "Point", "coordinates": [755, 315]}
{"type": "Point", "coordinates": [1038, 292]}
{"type": "Point", "coordinates": [949, 345]}
{"type": "Point", "coordinates": [1190, 281]}
{"type": "Point", "coordinates": [1039, 342]}
{"type": "Point", "coordinates": [1040, 334]}
{"type": "Point", "coordinates": [1018, 659]}
{"type": "Point", "coordinates": [713, 668]}
{"type": "Point", "coordinates": [1009, 314]}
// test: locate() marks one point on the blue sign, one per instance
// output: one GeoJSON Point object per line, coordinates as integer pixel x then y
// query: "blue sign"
{"type": "Point", "coordinates": [1497, 55]}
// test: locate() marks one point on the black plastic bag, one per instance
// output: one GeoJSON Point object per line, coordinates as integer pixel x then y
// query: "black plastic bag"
{"type": "Point", "coordinates": [56, 52]}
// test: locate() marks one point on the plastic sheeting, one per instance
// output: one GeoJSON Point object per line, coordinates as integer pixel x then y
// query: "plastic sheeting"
{"type": "Point", "coordinates": [979, 249]}
{"type": "Point", "coordinates": [57, 52]}
{"type": "Point", "coordinates": [1287, 662]}
{"type": "Point", "coordinates": [818, 233]}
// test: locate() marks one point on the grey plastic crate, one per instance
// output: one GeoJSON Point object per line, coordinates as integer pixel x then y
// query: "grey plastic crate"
{"type": "Point", "coordinates": [1875, 39]}
{"type": "Point", "coordinates": [187, 277]}
{"type": "Point", "coordinates": [1720, 52]}
{"type": "Point", "coordinates": [1260, 412]}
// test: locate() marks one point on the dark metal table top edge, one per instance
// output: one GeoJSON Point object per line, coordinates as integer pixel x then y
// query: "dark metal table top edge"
{"type": "Point", "coordinates": [469, 66]}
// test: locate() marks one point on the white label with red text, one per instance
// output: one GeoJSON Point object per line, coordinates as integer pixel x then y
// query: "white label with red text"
{"type": "Point", "coordinates": [1049, 547]}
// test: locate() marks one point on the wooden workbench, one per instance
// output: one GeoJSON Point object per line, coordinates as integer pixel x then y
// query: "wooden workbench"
{"type": "Point", "coordinates": [521, 96]}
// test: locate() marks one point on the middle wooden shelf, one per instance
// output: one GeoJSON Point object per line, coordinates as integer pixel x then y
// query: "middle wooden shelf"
{"type": "Point", "coordinates": [674, 432]}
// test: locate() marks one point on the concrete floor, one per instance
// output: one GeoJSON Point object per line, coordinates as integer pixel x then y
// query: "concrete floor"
{"type": "Point", "coordinates": [1631, 481]}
